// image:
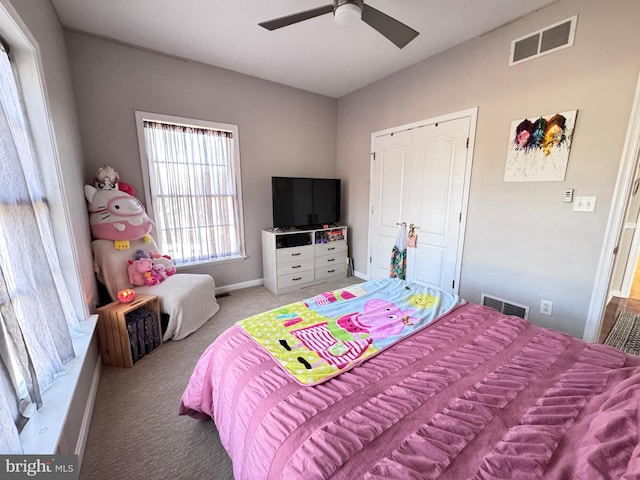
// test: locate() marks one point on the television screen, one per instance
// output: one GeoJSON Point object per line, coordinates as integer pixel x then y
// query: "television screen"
{"type": "Point", "coordinates": [305, 202]}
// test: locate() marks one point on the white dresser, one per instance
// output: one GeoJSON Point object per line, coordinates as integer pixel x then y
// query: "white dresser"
{"type": "Point", "coordinates": [293, 259]}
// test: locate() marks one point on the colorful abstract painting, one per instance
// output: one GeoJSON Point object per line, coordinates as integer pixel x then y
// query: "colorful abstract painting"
{"type": "Point", "coordinates": [539, 148]}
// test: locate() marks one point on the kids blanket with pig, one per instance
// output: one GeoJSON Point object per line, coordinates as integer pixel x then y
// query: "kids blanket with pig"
{"type": "Point", "coordinates": [323, 336]}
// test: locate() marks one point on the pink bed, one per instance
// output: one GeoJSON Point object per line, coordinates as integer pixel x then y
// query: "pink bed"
{"type": "Point", "coordinates": [475, 395]}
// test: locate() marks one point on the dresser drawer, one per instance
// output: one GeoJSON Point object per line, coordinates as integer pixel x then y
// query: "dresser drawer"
{"type": "Point", "coordinates": [331, 260]}
{"type": "Point", "coordinates": [293, 280]}
{"type": "Point", "coordinates": [339, 270]}
{"type": "Point", "coordinates": [301, 265]}
{"type": "Point", "coordinates": [294, 253]}
{"type": "Point", "coordinates": [330, 247]}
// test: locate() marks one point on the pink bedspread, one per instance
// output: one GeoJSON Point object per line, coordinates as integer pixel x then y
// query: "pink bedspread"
{"type": "Point", "coordinates": [476, 395]}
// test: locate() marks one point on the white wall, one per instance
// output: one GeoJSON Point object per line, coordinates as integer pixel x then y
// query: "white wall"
{"type": "Point", "coordinates": [522, 243]}
{"type": "Point", "coordinates": [283, 131]}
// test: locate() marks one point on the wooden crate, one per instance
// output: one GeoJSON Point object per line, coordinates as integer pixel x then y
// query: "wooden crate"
{"type": "Point", "coordinates": [115, 346]}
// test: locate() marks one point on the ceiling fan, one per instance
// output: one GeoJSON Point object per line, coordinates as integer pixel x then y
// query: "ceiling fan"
{"type": "Point", "coordinates": [350, 12]}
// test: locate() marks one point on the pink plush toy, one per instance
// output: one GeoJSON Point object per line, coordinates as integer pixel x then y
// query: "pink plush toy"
{"type": "Point", "coordinates": [138, 270]}
{"type": "Point", "coordinates": [160, 270]}
{"type": "Point", "coordinates": [143, 272]}
{"type": "Point", "coordinates": [152, 277]}
{"type": "Point", "coordinates": [165, 261]}
{"type": "Point", "coordinates": [117, 216]}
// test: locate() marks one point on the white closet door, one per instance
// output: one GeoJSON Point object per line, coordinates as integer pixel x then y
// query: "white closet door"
{"type": "Point", "coordinates": [418, 177]}
{"type": "Point", "coordinates": [435, 203]}
{"type": "Point", "coordinates": [388, 177]}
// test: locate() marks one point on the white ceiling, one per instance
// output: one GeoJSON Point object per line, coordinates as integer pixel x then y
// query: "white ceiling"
{"type": "Point", "coordinates": [317, 55]}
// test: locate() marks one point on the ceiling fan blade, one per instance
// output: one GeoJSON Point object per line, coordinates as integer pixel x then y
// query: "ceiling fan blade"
{"type": "Point", "coordinates": [296, 17]}
{"type": "Point", "coordinates": [397, 32]}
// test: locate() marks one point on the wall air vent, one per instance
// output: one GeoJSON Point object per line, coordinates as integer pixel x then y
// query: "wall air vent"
{"type": "Point", "coordinates": [547, 40]}
{"type": "Point", "coordinates": [505, 306]}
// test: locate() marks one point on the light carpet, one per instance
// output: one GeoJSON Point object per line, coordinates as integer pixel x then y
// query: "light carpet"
{"type": "Point", "coordinates": [136, 432]}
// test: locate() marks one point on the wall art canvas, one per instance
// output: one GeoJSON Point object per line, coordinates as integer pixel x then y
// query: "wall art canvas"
{"type": "Point", "coordinates": [539, 148]}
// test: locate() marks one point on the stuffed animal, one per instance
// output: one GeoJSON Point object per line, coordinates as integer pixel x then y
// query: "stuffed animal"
{"type": "Point", "coordinates": [126, 188]}
{"type": "Point", "coordinates": [117, 216]}
{"type": "Point", "coordinates": [108, 179]}
{"type": "Point", "coordinates": [141, 254]}
{"type": "Point", "coordinates": [164, 260]}
{"type": "Point", "coordinates": [160, 270]}
{"type": "Point", "coordinates": [137, 270]}
{"type": "Point", "coordinates": [152, 277]}
{"type": "Point", "coordinates": [143, 272]}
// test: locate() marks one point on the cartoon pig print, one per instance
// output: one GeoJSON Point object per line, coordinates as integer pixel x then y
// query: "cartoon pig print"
{"type": "Point", "coordinates": [379, 319]}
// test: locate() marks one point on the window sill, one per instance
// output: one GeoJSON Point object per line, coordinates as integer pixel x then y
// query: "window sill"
{"type": "Point", "coordinates": [43, 432]}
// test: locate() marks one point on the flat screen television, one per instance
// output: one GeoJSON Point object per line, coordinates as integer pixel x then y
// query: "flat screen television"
{"type": "Point", "coordinates": [305, 202]}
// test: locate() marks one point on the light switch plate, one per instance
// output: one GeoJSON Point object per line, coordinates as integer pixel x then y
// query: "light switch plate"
{"type": "Point", "coordinates": [585, 204]}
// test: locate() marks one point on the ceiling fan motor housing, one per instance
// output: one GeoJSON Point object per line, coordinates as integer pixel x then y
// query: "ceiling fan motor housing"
{"type": "Point", "coordinates": [338, 3]}
{"type": "Point", "coordinates": [347, 12]}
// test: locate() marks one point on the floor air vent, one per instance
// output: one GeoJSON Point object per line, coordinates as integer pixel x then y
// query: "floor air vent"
{"type": "Point", "coordinates": [505, 306]}
{"type": "Point", "coordinates": [547, 40]}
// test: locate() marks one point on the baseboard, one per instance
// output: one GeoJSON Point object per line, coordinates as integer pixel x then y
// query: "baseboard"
{"type": "Point", "coordinates": [255, 283]}
{"type": "Point", "coordinates": [360, 275]}
{"type": "Point", "coordinates": [239, 286]}
{"type": "Point", "coordinates": [614, 293]}
{"type": "Point", "coordinates": [88, 412]}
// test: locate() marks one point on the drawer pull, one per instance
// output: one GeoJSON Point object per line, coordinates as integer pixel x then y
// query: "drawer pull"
{"type": "Point", "coordinates": [296, 254]}
{"type": "Point", "coordinates": [331, 248]}
{"type": "Point", "coordinates": [331, 271]}
{"type": "Point", "coordinates": [296, 279]}
{"type": "Point", "coordinates": [296, 266]}
{"type": "Point", "coordinates": [331, 259]}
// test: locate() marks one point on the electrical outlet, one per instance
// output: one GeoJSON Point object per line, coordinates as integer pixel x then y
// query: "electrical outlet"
{"type": "Point", "coordinates": [546, 307]}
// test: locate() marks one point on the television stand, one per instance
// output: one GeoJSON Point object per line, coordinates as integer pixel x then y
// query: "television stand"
{"type": "Point", "coordinates": [293, 259]}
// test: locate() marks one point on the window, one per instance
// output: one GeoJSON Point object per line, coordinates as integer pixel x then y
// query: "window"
{"type": "Point", "coordinates": [192, 187]}
{"type": "Point", "coordinates": [36, 312]}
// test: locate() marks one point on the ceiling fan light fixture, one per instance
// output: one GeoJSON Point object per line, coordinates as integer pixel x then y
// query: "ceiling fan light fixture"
{"type": "Point", "coordinates": [348, 14]}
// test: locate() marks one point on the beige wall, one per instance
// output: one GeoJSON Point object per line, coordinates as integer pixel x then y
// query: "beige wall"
{"type": "Point", "coordinates": [283, 131]}
{"type": "Point", "coordinates": [522, 242]}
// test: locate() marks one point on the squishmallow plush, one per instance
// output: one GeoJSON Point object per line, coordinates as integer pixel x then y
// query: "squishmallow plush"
{"type": "Point", "coordinates": [116, 215]}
